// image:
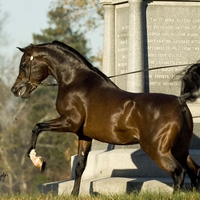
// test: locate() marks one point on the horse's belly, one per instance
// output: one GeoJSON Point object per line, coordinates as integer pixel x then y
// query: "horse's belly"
{"type": "Point", "coordinates": [118, 137]}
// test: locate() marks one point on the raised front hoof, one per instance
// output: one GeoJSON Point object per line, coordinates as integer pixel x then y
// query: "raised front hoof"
{"type": "Point", "coordinates": [43, 167]}
{"type": "Point", "coordinates": [40, 163]}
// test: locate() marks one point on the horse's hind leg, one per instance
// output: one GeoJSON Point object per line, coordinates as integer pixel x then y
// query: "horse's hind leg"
{"type": "Point", "coordinates": [83, 151]}
{"type": "Point", "coordinates": [181, 153]}
{"type": "Point", "coordinates": [166, 161]}
{"type": "Point", "coordinates": [192, 169]}
{"type": "Point", "coordinates": [193, 172]}
{"type": "Point", "coordinates": [178, 176]}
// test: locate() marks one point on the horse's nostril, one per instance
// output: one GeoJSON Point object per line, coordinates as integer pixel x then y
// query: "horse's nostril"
{"type": "Point", "coordinates": [13, 90]}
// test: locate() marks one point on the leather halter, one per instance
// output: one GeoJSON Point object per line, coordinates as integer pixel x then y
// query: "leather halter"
{"type": "Point", "coordinates": [34, 85]}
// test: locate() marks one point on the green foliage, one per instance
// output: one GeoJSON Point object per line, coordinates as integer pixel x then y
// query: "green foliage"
{"type": "Point", "coordinates": [70, 21]}
{"type": "Point", "coordinates": [60, 28]}
{"type": "Point", "coordinates": [85, 15]}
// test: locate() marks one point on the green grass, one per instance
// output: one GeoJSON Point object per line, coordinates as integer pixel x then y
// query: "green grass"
{"type": "Point", "coordinates": [132, 196]}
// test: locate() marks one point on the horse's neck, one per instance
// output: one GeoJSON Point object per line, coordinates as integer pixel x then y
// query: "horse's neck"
{"type": "Point", "coordinates": [65, 68]}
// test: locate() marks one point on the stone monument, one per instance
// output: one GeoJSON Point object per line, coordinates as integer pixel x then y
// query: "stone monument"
{"type": "Point", "coordinates": [140, 35]}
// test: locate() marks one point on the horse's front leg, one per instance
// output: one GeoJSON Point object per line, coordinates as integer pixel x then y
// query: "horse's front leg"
{"type": "Point", "coordinates": [83, 151]}
{"type": "Point", "coordinates": [38, 161]}
{"type": "Point", "coordinates": [58, 125]}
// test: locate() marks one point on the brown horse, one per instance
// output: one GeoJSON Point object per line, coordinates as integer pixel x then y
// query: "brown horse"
{"type": "Point", "coordinates": [93, 107]}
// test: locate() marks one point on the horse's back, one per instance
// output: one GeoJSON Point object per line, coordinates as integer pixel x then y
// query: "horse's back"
{"type": "Point", "coordinates": [121, 117]}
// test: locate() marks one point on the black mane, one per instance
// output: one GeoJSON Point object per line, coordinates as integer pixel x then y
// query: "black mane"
{"type": "Point", "coordinates": [83, 59]}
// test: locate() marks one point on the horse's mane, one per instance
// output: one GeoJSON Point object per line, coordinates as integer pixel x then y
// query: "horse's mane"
{"type": "Point", "coordinates": [82, 58]}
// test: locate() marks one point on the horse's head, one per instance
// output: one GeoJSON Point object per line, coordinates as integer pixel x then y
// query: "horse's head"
{"type": "Point", "coordinates": [32, 71]}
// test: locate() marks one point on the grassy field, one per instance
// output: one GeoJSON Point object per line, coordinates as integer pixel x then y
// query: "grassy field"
{"type": "Point", "coordinates": [132, 196]}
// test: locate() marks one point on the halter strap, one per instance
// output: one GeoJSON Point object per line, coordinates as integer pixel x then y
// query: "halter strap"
{"type": "Point", "coordinates": [34, 85]}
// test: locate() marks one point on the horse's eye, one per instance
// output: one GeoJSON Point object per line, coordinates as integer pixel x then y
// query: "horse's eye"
{"type": "Point", "coordinates": [23, 65]}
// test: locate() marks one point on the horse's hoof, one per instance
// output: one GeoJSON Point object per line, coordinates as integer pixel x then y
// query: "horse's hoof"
{"type": "Point", "coordinates": [43, 166]}
{"type": "Point", "coordinates": [40, 163]}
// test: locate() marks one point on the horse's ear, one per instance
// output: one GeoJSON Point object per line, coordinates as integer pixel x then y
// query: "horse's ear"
{"type": "Point", "coordinates": [21, 49]}
{"type": "Point", "coordinates": [27, 50]}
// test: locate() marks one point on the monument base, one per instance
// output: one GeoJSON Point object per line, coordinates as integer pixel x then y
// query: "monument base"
{"type": "Point", "coordinates": [114, 185]}
{"type": "Point", "coordinates": [118, 171]}
{"type": "Point", "coordinates": [118, 163]}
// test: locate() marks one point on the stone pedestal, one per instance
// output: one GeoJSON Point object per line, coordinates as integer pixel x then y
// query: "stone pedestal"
{"type": "Point", "coordinates": [117, 172]}
{"type": "Point", "coordinates": [135, 82]}
{"type": "Point", "coordinates": [109, 41]}
{"type": "Point", "coordinates": [123, 42]}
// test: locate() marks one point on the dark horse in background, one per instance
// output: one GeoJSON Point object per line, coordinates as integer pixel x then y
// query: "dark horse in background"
{"type": "Point", "coordinates": [93, 107]}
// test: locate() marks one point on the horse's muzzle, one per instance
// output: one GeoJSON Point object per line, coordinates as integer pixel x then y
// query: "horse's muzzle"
{"type": "Point", "coordinates": [21, 91]}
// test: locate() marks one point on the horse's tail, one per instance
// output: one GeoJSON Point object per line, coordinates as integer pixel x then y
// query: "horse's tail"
{"type": "Point", "coordinates": [190, 83]}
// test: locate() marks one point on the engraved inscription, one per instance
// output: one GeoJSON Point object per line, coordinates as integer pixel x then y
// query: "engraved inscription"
{"type": "Point", "coordinates": [121, 49]}
{"type": "Point", "coordinates": [172, 38]}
